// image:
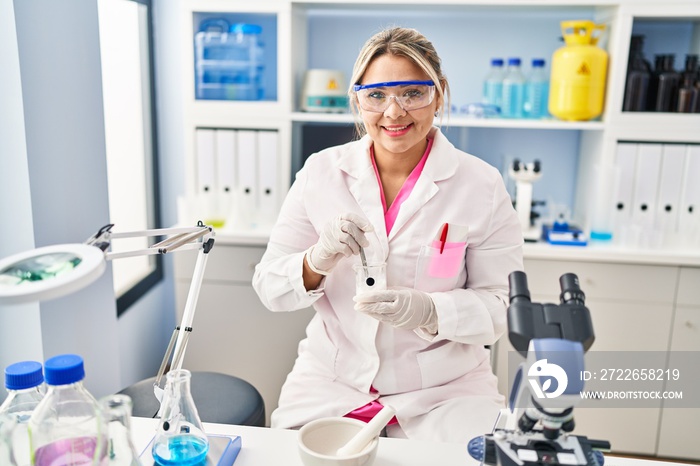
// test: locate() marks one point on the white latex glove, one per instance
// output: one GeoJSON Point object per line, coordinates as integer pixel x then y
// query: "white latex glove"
{"type": "Point", "coordinates": [341, 237]}
{"type": "Point", "coordinates": [404, 308]}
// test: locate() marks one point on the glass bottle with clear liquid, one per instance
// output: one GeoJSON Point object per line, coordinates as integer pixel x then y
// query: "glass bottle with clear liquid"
{"type": "Point", "coordinates": [7, 426]}
{"type": "Point", "coordinates": [67, 427]}
{"type": "Point", "coordinates": [513, 90]}
{"type": "Point", "coordinates": [117, 412]}
{"type": "Point", "coordinates": [493, 84]}
{"type": "Point", "coordinates": [24, 382]}
{"type": "Point", "coordinates": [180, 439]}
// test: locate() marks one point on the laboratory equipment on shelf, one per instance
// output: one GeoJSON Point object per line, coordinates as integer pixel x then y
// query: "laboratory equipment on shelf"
{"type": "Point", "coordinates": [513, 96]}
{"type": "Point", "coordinates": [577, 79]}
{"type": "Point", "coordinates": [493, 84]}
{"type": "Point", "coordinates": [536, 427]}
{"type": "Point", "coordinates": [324, 91]}
{"type": "Point", "coordinates": [24, 382]}
{"type": "Point", "coordinates": [638, 75]}
{"type": "Point", "coordinates": [536, 91]}
{"type": "Point", "coordinates": [525, 174]}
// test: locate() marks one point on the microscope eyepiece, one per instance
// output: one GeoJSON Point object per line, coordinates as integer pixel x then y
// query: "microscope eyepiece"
{"type": "Point", "coordinates": [517, 282]}
{"type": "Point", "coordinates": [571, 292]}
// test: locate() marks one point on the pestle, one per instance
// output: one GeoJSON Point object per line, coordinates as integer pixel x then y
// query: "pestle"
{"type": "Point", "coordinates": [367, 433]}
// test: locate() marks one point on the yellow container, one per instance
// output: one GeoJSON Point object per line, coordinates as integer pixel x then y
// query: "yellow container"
{"type": "Point", "coordinates": [577, 80]}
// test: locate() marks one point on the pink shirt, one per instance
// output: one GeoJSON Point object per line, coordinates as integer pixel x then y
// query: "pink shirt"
{"type": "Point", "coordinates": [367, 412]}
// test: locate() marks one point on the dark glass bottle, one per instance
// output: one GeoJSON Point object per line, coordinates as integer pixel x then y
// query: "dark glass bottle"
{"type": "Point", "coordinates": [654, 82]}
{"type": "Point", "coordinates": [669, 81]}
{"type": "Point", "coordinates": [638, 74]}
{"type": "Point", "coordinates": [688, 92]}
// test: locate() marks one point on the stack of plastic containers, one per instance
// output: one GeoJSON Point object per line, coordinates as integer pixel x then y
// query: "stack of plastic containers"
{"type": "Point", "coordinates": [228, 61]}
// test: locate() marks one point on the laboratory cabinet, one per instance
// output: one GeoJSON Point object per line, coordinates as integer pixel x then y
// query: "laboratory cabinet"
{"type": "Point", "coordinates": [623, 291]}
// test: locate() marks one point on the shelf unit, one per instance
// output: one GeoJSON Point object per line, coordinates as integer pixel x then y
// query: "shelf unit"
{"type": "Point", "coordinates": [329, 33]}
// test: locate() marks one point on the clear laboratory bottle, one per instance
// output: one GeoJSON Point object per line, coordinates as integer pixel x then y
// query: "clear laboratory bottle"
{"type": "Point", "coordinates": [120, 448]}
{"type": "Point", "coordinates": [493, 83]}
{"type": "Point", "coordinates": [24, 382]}
{"type": "Point", "coordinates": [513, 90]}
{"type": "Point", "coordinates": [67, 427]}
{"type": "Point", "coordinates": [536, 91]}
{"type": "Point", "coordinates": [669, 81]}
{"type": "Point", "coordinates": [7, 426]}
{"type": "Point", "coordinates": [180, 438]}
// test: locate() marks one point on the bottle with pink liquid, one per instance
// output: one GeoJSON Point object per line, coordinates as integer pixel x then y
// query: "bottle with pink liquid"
{"type": "Point", "coordinates": [67, 427]}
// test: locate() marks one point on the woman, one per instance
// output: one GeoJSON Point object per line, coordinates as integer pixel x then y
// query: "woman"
{"type": "Point", "coordinates": [418, 346]}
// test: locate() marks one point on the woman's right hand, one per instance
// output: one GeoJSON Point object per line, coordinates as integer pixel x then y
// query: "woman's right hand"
{"type": "Point", "coordinates": [341, 237]}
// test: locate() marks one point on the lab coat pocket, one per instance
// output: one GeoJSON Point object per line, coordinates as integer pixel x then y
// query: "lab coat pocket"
{"type": "Point", "coordinates": [436, 271]}
{"type": "Point", "coordinates": [443, 363]}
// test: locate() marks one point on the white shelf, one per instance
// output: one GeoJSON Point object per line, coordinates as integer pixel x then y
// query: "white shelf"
{"type": "Point", "coordinates": [611, 253]}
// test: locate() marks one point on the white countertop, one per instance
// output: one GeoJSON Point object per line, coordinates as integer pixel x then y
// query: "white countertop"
{"type": "Point", "coordinates": [270, 447]}
{"type": "Point", "coordinates": [594, 252]}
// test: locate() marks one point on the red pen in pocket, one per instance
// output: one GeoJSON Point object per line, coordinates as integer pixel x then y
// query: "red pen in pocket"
{"type": "Point", "coordinates": [443, 237]}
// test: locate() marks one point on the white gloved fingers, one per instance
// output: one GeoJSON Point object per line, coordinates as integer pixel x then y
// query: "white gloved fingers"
{"type": "Point", "coordinates": [361, 222]}
{"type": "Point", "coordinates": [403, 308]}
{"type": "Point", "coordinates": [342, 236]}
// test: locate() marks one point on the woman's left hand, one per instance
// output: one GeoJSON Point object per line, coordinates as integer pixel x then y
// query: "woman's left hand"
{"type": "Point", "coordinates": [403, 308]}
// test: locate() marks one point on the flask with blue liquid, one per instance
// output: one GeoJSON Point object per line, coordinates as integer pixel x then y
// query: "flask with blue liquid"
{"type": "Point", "coordinates": [493, 83]}
{"type": "Point", "coordinates": [180, 439]}
{"type": "Point", "coordinates": [24, 382]}
{"type": "Point", "coordinates": [513, 90]}
{"type": "Point", "coordinates": [536, 91]}
{"type": "Point", "coordinates": [67, 427]}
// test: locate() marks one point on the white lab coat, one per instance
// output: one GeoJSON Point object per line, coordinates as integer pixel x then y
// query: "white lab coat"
{"type": "Point", "coordinates": [442, 386]}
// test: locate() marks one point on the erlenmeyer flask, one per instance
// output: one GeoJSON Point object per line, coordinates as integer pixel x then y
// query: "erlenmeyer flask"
{"type": "Point", "coordinates": [180, 438]}
{"type": "Point", "coordinates": [117, 412]}
{"type": "Point", "coordinates": [7, 427]}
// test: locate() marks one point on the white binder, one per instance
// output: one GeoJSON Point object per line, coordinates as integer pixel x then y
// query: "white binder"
{"type": "Point", "coordinates": [247, 190]}
{"type": "Point", "coordinates": [625, 168]}
{"type": "Point", "coordinates": [646, 185]}
{"type": "Point", "coordinates": [689, 212]}
{"type": "Point", "coordinates": [667, 206]}
{"type": "Point", "coordinates": [267, 176]}
{"type": "Point", "coordinates": [206, 160]}
{"type": "Point", "coordinates": [226, 168]}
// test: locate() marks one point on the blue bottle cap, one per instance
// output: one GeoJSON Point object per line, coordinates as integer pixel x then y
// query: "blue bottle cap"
{"type": "Point", "coordinates": [514, 61]}
{"type": "Point", "coordinates": [538, 62]}
{"type": "Point", "coordinates": [64, 369]}
{"type": "Point", "coordinates": [496, 62]}
{"type": "Point", "coordinates": [23, 375]}
{"type": "Point", "coordinates": [244, 28]}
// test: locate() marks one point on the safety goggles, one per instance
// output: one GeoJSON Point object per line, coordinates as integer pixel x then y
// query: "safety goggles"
{"type": "Point", "coordinates": [409, 95]}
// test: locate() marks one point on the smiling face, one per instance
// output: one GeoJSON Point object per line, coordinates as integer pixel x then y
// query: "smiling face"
{"type": "Point", "coordinates": [396, 131]}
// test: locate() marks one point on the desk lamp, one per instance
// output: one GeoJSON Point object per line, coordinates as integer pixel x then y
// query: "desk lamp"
{"type": "Point", "coordinates": [54, 271]}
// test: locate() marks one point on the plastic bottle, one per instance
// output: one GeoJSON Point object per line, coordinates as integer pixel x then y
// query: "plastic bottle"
{"type": "Point", "coordinates": [493, 83]}
{"type": "Point", "coordinates": [669, 81]}
{"type": "Point", "coordinates": [536, 91]}
{"type": "Point", "coordinates": [513, 90]}
{"type": "Point", "coordinates": [117, 412]}
{"type": "Point", "coordinates": [24, 383]}
{"type": "Point", "coordinates": [67, 427]}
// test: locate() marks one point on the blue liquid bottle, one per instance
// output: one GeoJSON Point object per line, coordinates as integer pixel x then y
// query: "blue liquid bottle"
{"type": "Point", "coordinates": [180, 439]}
{"type": "Point", "coordinates": [493, 84]}
{"type": "Point", "coordinates": [513, 90]}
{"type": "Point", "coordinates": [537, 91]}
{"type": "Point", "coordinates": [66, 428]}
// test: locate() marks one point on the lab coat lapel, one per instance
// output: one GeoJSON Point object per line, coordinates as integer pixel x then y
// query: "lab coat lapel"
{"type": "Point", "coordinates": [441, 164]}
{"type": "Point", "coordinates": [365, 189]}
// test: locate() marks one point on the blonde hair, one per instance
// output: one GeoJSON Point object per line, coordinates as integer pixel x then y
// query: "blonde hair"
{"type": "Point", "coordinates": [403, 42]}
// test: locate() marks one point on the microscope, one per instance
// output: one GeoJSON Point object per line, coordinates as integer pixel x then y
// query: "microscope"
{"type": "Point", "coordinates": [525, 174]}
{"type": "Point", "coordinates": [535, 429]}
